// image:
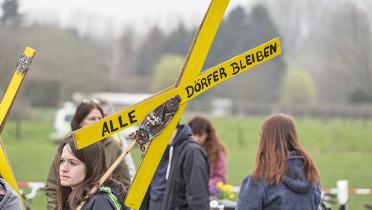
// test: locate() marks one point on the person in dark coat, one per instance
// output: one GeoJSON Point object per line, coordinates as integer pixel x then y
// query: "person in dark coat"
{"type": "Point", "coordinates": [79, 173]}
{"type": "Point", "coordinates": [205, 134]}
{"type": "Point", "coordinates": [285, 177]}
{"type": "Point", "coordinates": [181, 179]}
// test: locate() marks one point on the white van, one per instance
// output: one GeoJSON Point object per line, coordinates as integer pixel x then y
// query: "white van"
{"type": "Point", "coordinates": [62, 122]}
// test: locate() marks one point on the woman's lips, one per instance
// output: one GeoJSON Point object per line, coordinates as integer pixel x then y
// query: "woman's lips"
{"type": "Point", "coordinates": [64, 177]}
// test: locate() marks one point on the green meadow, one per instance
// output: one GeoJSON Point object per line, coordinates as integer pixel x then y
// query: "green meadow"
{"type": "Point", "coordinates": [342, 149]}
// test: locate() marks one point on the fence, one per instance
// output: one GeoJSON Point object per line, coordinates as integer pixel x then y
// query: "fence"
{"type": "Point", "coordinates": [342, 191]}
{"type": "Point", "coordinates": [323, 111]}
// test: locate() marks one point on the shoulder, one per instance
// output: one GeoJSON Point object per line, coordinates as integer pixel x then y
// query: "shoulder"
{"type": "Point", "coordinates": [193, 148]}
{"type": "Point", "coordinates": [98, 201]}
{"type": "Point", "coordinates": [248, 184]}
{"type": "Point", "coordinates": [110, 143]}
{"type": "Point", "coordinates": [251, 195]}
{"type": "Point", "coordinates": [192, 155]}
{"type": "Point", "coordinates": [103, 200]}
{"type": "Point", "coordinates": [190, 144]}
{"type": "Point", "coordinates": [100, 196]}
{"type": "Point", "coordinates": [116, 188]}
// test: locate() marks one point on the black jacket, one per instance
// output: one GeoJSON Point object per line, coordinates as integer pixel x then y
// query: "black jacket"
{"type": "Point", "coordinates": [187, 183]}
{"type": "Point", "coordinates": [102, 200]}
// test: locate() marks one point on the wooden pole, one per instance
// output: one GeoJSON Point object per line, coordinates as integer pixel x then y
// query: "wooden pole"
{"type": "Point", "coordinates": [109, 171]}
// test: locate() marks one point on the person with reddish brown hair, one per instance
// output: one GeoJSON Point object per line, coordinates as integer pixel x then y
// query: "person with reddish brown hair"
{"type": "Point", "coordinates": [284, 176]}
{"type": "Point", "coordinates": [205, 134]}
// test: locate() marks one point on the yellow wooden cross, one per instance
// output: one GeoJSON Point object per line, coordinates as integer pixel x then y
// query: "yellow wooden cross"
{"type": "Point", "coordinates": [6, 104]}
{"type": "Point", "coordinates": [190, 83]}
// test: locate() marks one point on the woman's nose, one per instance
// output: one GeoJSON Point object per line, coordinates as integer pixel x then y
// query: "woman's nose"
{"type": "Point", "coordinates": [64, 167]}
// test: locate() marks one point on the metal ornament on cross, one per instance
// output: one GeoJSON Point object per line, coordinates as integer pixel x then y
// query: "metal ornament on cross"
{"type": "Point", "coordinates": [6, 104]}
{"type": "Point", "coordinates": [190, 83]}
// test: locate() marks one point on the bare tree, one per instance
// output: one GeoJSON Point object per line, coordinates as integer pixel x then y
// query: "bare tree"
{"type": "Point", "coordinates": [296, 18]}
{"type": "Point", "coordinates": [11, 15]}
{"type": "Point", "coordinates": [345, 50]}
{"type": "Point", "coordinates": [121, 61]}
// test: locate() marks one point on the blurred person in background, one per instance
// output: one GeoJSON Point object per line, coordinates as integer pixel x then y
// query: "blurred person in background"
{"type": "Point", "coordinates": [284, 176]}
{"type": "Point", "coordinates": [368, 206]}
{"type": "Point", "coordinates": [205, 134]}
{"type": "Point", "coordinates": [121, 137]}
{"type": "Point", "coordinates": [87, 112]}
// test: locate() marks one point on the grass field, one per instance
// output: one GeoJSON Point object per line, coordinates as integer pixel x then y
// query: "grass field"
{"type": "Point", "coordinates": [341, 149]}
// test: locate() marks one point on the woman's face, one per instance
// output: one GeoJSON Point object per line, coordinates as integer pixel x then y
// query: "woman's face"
{"type": "Point", "coordinates": [91, 118]}
{"type": "Point", "coordinates": [200, 138]}
{"type": "Point", "coordinates": [71, 170]}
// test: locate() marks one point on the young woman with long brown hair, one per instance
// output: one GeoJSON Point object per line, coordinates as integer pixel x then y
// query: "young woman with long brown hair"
{"type": "Point", "coordinates": [80, 172]}
{"type": "Point", "coordinates": [285, 176]}
{"type": "Point", "coordinates": [87, 112]}
{"type": "Point", "coordinates": [205, 134]}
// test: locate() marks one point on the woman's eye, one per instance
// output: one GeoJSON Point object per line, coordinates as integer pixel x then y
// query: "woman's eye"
{"type": "Point", "coordinates": [73, 163]}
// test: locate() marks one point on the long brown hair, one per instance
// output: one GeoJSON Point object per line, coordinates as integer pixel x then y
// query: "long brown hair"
{"type": "Point", "coordinates": [212, 145]}
{"type": "Point", "coordinates": [82, 111]}
{"type": "Point", "coordinates": [278, 139]}
{"type": "Point", "coordinates": [93, 156]}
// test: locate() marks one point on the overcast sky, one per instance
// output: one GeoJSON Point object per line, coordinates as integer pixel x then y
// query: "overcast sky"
{"type": "Point", "coordinates": [111, 16]}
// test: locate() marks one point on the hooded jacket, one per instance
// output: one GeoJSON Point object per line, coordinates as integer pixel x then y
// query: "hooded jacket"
{"type": "Point", "coordinates": [294, 193]}
{"type": "Point", "coordinates": [110, 196]}
{"type": "Point", "coordinates": [8, 198]}
{"type": "Point", "coordinates": [181, 177]}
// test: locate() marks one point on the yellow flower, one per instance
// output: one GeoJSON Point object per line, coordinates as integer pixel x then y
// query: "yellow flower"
{"type": "Point", "coordinates": [227, 188]}
{"type": "Point", "coordinates": [219, 185]}
{"type": "Point", "coordinates": [232, 196]}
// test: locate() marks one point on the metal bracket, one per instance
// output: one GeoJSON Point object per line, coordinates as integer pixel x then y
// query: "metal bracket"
{"type": "Point", "coordinates": [23, 64]}
{"type": "Point", "coordinates": [156, 121]}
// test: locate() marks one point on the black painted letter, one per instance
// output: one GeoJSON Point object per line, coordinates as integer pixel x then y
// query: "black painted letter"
{"type": "Point", "coordinates": [132, 116]}
{"type": "Point", "coordinates": [191, 92]}
{"type": "Point", "coordinates": [105, 129]}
